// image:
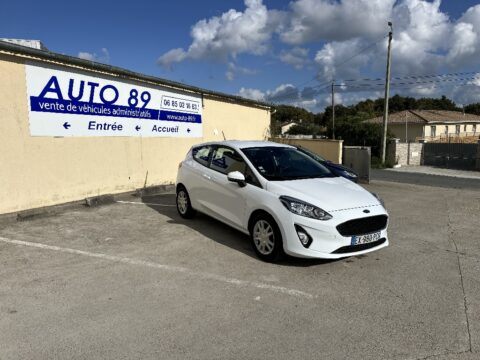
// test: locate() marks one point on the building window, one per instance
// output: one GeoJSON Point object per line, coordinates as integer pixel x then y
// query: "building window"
{"type": "Point", "coordinates": [446, 129]}
{"type": "Point", "coordinates": [433, 131]}
{"type": "Point", "coordinates": [465, 128]}
{"type": "Point", "coordinates": [457, 129]}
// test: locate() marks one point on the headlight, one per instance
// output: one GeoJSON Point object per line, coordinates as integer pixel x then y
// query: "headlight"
{"type": "Point", "coordinates": [378, 198]}
{"type": "Point", "coordinates": [350, 174]}
{"type": "Point", "coordinates": [304, 209]}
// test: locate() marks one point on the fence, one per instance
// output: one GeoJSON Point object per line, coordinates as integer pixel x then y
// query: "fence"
{"type": "Point", "coordinates": [449, 155]}
{"type": "Point", "coordinates": [358, 159]}
{"type": "Point", "coordinates": [453, 155]}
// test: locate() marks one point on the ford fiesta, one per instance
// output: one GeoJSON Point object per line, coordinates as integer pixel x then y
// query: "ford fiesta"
{"type": "Point", "coordinates": [286, 201]}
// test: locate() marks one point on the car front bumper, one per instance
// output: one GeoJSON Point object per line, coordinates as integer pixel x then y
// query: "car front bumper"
{"type": "Point", "coordinates": [327, 242]}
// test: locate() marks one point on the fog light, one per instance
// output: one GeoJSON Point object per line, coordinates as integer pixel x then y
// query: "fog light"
{"type": "Point", "coordinates": [303, 236]}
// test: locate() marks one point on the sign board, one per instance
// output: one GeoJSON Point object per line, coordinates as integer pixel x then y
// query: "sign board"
{"type": "Point", "coordinates": [70, 103]}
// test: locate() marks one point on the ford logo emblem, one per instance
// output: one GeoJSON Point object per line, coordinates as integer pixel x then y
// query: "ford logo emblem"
{"type": "Point", "coordinates": [366, 211]}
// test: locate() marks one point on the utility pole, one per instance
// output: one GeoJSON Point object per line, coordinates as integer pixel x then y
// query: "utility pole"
{"type": "Point", "coordinates": [387, 94]}
{"type": "Point", "coordinates": [406, 126]}
{"type": "Point", "coordinates": [333, 110]}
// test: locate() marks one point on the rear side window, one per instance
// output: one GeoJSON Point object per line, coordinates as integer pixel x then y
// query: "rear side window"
{"type": "Point", "coordinates": [202, 154]}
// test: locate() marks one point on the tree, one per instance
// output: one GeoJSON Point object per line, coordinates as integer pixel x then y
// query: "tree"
{"type": "Point", "coordinates": [284, 114]}
{"type": "Point", "coordinates": [349, 120]}
{"type": "Point", "coordinates": [473, 109]}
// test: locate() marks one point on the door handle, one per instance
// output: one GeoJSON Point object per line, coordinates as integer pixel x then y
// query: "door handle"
{"type": "Point", "coordinates": [208, 177]}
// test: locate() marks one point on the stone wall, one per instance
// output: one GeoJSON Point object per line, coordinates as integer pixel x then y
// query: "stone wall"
{"type": "Point", "coordinates": [404, 153]}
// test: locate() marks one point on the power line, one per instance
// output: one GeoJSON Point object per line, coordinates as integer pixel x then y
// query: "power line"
{"type": "Point", "coordinates": [416, 76]}
{"type": "Point", "coordinates": [372, 89]}
{"type": "Point", "coordinates": [293, 94]}
{"type": "Point", "coordinates": [296, 91]}
{"type": "Point", "coordinates": [396, 86]}
{"type": "Point", "coordinates": [409, 82]}
{"type": "Point", "coordinates": [321, 88]}
{"type": "Point", "coordinates": [360, 52]}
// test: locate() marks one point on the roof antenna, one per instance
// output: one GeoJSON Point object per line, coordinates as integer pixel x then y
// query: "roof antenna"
{"type": "Point", "coordinates": [224, 138]}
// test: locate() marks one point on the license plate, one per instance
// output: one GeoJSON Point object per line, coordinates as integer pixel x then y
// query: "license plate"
{"type": "Point", "coordinates": [365, 239]}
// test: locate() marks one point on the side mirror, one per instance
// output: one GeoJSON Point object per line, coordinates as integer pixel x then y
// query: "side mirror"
{"type": "Point", "coordinates": [237, 177]}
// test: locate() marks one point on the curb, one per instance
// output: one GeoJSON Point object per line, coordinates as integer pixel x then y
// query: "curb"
{"type": "Point", "coordinates": [89, 202]}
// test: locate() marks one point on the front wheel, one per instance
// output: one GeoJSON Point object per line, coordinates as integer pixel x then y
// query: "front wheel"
{"type": "Point", "coordinates": [266, 238]}
{"type": "Point", "coordinates": [184, 206]}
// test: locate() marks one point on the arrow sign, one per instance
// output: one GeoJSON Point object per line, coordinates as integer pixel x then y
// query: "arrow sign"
{"type": "Point", "coordinates": [66, 125]}
{"type": "Point", "coordinates": [137, 127]}
{"type": "Point", "coordinates": [188, 130]}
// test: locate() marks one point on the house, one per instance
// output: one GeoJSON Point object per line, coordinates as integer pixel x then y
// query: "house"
{"type": "Point", "coordinates": [431, 125]}
{"type": "Point", "coordinates": [286, 126]}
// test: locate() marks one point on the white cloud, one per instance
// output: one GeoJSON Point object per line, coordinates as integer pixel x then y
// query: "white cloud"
{"type": "Point", "coordinates": [283, 93]}
{"type": "Point", "coordinates": [297, 57]}
{"type": "Point", "coordinates": [253, 94]}
{"type": "Point", "coordinates": [234, 32]}
{"type": "Point", "coordinates": [312, 98]}
{"type": "Point", "coordinates": [86, 56]}
{"type": "Point", "coordinates": [464, 41]}
{"type": "Point", "coordinates": [420, 36]}
{"type": "Point", "coordinates": [171, 57]}
{"type": "Point", "coordinates": [103, 57]}
{"type": "Point", "coordinates": [337, 33]}
{"type": "Point", "coordinates": [233, 70]}
{"type": "Point", "coordinates": [342, 59]}
{"type": "Point", "coordinates": [320, 20]}
{"type": "Point", "coordinates": [425, 41]}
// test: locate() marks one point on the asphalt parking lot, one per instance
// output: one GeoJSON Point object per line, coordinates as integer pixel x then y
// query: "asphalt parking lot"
{"type": "Point", "coordinates": [132, 280]}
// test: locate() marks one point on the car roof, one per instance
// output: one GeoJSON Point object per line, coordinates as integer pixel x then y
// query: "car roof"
{"type": "Point", "coordinates": [243, 144]}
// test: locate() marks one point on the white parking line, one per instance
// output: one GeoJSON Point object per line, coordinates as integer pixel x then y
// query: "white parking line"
{"type": "Point", "coordinates": [170, 268]}
{"type": "Point", "coordinates": [142, 203]}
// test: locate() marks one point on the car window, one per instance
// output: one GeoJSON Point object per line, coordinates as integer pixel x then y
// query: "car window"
{"type": "Point", "coordinates": [285, 163]}
{"type": "Point", "coordinates": [226, 160]}
{"type": "Point", "coordinates": [201, 154]}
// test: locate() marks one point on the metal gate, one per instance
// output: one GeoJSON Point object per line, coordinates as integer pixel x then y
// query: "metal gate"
{"type": "Point", "coordinates": [357, 158]}
{"type": "Point", "coordinates": [455, 156]}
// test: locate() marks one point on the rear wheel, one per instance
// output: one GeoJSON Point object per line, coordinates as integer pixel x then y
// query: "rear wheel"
{"type": "Point", "coordinates": [184, 206]}
{"type": "Point", "coordinates": [266, 238]}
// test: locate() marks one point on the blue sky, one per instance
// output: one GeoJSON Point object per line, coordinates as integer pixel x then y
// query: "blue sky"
{"type": "Point", "coordinates": [266, 50]}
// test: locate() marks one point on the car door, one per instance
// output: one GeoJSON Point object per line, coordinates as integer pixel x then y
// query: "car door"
{"type": "Point", "coordinates": [226, 199]}
{"type": "Point", "coordinates": [199, 179]}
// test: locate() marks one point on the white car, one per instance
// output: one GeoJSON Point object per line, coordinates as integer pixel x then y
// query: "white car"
{"type": "Point", "coordinates": [286, 201]}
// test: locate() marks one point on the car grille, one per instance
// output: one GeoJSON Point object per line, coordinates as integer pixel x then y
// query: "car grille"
{"type": "Point", "coordinates": [363, 226]}
{"type": "Point", "coordinates": [361, 247]}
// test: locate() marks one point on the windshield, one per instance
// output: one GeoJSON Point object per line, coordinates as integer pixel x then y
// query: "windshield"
{"type": "Point", "coordinates": [282, 163]}
{"type": "Point", "coordinates": [311, 154]}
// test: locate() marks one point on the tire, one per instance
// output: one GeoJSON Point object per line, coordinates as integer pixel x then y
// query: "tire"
{"type": "Point", "coordinates": [266, 238]}
{"type": "Point", "coordinates": [184, 206]}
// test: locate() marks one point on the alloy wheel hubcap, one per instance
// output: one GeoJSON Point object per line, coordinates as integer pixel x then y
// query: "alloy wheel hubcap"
{"type": "Point", "coordinates": [263, 237]}
{"type": "Point", "coordinates": [182, 202]}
